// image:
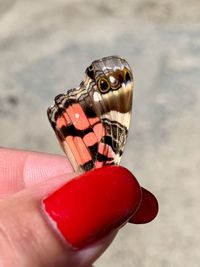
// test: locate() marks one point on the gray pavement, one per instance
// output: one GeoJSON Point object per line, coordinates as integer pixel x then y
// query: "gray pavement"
{"type": "Point", "coordinates": [45, 47]}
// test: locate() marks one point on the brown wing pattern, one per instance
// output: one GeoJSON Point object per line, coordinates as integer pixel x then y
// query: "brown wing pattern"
{"type": "Point", "coordinates": [91, 122]}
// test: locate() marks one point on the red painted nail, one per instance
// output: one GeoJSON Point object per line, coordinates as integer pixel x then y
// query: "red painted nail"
{"type": "Point", "coordinates": [93, 204]}
{"type": "Point", "coordinates": [148, 208]}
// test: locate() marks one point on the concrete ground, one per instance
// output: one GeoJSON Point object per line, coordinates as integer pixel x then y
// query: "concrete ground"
{"type": "Point", "coordinates": [45, 47]}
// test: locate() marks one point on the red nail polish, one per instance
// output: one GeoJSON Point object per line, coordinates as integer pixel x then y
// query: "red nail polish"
{"type": "Point", "coordinates": [93, 204]}
{"type": "Point", "coordinates": [147, 210]}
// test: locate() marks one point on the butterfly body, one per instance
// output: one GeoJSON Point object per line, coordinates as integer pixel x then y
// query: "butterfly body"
{"type": "Point", "coordinates": [91, 122]}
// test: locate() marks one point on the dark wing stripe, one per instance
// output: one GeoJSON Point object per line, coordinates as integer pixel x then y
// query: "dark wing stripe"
{"type": "Point", "coordinates": [112, 143]}
{"type": "Point", "coordinates": [71, 130]}
{"type": "Point", "coordinates": [103, 158]}
{"type": "Point", "coordinates": [89, 112]}
{"type": "Point", "coordinates": [93, 150]}
{"type": "Point", "coordinates": [88, 165]}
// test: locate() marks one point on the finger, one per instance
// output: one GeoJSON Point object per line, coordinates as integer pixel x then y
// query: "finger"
{"type": "Point", "coordinates": [74, 225]}
{"type": "Point", "coordinates": [21, 169]}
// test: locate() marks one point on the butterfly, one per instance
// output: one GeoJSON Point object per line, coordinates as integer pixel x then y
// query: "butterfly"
{"type": "Point", "coordinates": [92, 121]}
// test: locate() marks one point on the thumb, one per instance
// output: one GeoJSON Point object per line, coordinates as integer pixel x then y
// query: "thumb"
{"type": "Point", "coordinates": [70, 227]}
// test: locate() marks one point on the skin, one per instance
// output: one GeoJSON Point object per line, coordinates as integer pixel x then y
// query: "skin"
{"type": "Point", "coordinates": [25, 237]}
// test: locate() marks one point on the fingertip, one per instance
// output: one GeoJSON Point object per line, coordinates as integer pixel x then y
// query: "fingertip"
{"type": "Point", "coordinates": [39, 167]}
{"type": "Point", "coordinates": [21, 169]}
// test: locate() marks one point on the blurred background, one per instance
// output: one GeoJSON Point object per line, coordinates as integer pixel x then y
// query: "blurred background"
{"type": "Point", "coordinates": [45, 47]}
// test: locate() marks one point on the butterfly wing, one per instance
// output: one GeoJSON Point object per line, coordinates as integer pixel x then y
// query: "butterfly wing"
{"type": "Point", "coordinates": [92, 125]}
{"type": "Point", "coordinates": [76, 131]}
{"type": "Point", "coordinates": [112, 100]}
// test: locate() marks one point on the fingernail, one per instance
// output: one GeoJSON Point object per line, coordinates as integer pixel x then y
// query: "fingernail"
{"type": "Point", "coordinates": [93, 204]}
{"type": "Point", "coordinates": [147, 210]}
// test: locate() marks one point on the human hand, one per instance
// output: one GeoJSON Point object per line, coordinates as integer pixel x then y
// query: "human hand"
{"type": "Point", "coordinates": [82, 217]}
